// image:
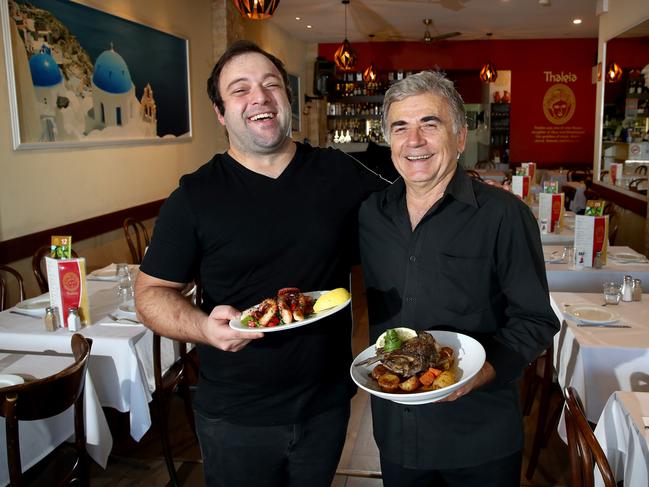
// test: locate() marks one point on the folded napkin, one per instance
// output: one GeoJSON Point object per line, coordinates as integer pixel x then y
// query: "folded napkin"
{"type": "Point", "coordinates": [34, 306]}
{"type": "Point", "coordinates": [109, 273]}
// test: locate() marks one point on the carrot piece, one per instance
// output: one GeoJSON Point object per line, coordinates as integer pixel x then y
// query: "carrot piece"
{"type": "Point", "coordinates": [428, 377]}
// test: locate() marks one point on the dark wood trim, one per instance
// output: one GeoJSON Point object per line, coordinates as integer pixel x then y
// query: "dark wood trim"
{"type": "Point", "coordinates": [21, 247]}
{"type": "Point", "coordinates": [636, 205]}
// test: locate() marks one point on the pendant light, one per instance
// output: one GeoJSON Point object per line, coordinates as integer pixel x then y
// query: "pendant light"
{"type": "Point", "coordinates": [369, 75]}
{"type": "Point", "coordinates": [256, 9]}
{"type": "Point", "coordinates": [613, 73]}
{"type": "Point", "coordinates": [345, 57]}
{"type": "Point", "coordinates": [488, 73]}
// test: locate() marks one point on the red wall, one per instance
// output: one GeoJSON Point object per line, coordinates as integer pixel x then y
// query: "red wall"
{"type": "Point", "coordinates": [533, 137]}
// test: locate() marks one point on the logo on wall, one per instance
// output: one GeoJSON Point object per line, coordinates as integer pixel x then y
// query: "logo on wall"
{"type": "Point", "coordinates": [559, 104]}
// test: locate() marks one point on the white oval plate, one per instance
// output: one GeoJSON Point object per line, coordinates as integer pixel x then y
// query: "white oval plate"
{"type": "Point", "coordinates": [469, 359]}
{"type": "Point", "coordinates": [236, 324]}
{"type": "Point", "coordinates": [34, 306]}
{"type": "Point", "coordinates": [596, 315]}
{"type": "Point", "coordinates": [7, 380]}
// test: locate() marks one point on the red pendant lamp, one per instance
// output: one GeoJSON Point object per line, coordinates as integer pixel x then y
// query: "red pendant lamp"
{"type": "Point", "coordinates": [613, 73]}
{"type": "Point", "coordinates": [256, 9]}
{"type": "Point", "coordinates": [488, 73]}
{"type": "Point", "coordinates": [345, 56]}
{"type": "Point", "coordinates": [370, 75]}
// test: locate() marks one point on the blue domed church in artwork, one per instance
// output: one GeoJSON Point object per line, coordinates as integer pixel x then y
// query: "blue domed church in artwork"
{"type": "Point", "coordinates": [113, 93]}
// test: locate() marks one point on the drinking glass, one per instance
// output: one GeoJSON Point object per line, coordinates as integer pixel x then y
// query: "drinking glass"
{"type": "Point", "coordinates": [568, 256]}
{"type": "Point", "coordinates": [612, 292]}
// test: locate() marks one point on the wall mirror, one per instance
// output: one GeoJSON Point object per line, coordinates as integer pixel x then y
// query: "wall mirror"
{"type": "Point", "coordinates": [625, 114]}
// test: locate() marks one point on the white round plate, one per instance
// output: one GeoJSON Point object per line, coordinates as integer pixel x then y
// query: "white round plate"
{"type": "Point", "coordinates": [625, 257]}
{"type": "Point", "coordinates": [236, 324]}
{"type": "Point", "coordinates": [469, 359]}
{"type": "Point", "coordinates": [7, 380]}
{"type": "Point", "coordinates": [596, 315]}
{"type": "Point", "coordinates": [34, 306]}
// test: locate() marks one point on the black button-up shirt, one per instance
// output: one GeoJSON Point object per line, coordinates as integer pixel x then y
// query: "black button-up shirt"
{"type": "Point", "coordinates": [474, 264]}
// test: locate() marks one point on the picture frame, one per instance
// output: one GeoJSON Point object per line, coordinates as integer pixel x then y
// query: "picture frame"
{"type": "Point", "coordinates": [296, 105]}
{"type": "Point", "coordinates": [79, 76]}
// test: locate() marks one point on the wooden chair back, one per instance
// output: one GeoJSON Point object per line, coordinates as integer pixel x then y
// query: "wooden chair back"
{"type": "Point", "coordinates": [579, 174]}
{"type": "Point", "coordinates": [584, 450]}
{"type": "Point", "coordinates": [473, 174]}
{"type": "Point", "coordinates": [44, 398]}
{"type": "Point", "coordinates": [137, 238]}
{"type": "Point", "coordinates": [39, 269]}
{"type": "Point", "coordinates": [4, 284]}
{"type": "Point", "coordinates": [569, 195]}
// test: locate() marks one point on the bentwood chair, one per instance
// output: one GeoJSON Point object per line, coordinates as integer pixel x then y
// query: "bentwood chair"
{"type": "Point", "coordinates": [137, 238]}
{"type": "Point", "coordinates": [39, 269]}
{"type": "Point", "coordinates": [166, 382]}
{"type": "Point", "coordinates": [569, 194]}
{"type": "Point", "coordinates": [584, 450]}
{"type": "Point", "coordinates": [44, 398]}
{"type": "Point", "coordinates": [4, 284]}
{"type": "Point", "coordinates": [473, 174]}
{"type": "Point", "coordinates": [579, 174]}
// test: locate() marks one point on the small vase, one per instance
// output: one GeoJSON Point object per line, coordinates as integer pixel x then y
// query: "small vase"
{"type": "Point", "coordinates": [506, 97]}
{"type": "Point", "coordinates": [497, 97]}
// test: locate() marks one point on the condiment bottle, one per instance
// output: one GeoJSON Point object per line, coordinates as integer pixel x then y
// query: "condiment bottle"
{"type": "Point", "coordinates": [74, 322]}
{"type": "Point", "coordinates": [627, 289]}
{"type": "Point", "coordinates": [597, 261]}
{"type": "Point", "coordinates": [51, 319]}
{"type": "Point", "coordinates": [637, 290]}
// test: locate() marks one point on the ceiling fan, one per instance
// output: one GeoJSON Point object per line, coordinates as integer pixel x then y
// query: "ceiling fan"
{"type": "Point", "coordinates": [428, 38]}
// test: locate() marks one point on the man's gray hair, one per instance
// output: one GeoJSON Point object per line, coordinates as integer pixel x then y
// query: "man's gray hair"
{"type": "Point", "coordinates": [425, 82]}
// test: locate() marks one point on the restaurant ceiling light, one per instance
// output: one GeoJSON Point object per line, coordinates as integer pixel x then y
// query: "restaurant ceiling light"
{"type": "Point", "coordinates": [488, 73]}
{"type": "Point", "coordinates": [369, 75]}
{"type": "Point", "coordinates": [576, 21]}
{"type": "Point", "coordinates": [345, 57]}
{"type": "Point", "coordinates": [256, 9]}
{"type": "Point", "coordinates": [613, 73]}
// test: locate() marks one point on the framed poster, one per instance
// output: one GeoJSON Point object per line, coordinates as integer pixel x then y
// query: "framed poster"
{"type": "Point", "coordinates": [78, 76]}
{"type": "Point", "coordinates": [296, 118]}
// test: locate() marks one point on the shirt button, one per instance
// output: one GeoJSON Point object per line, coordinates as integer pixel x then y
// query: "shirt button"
{"type": "Point", "coordinates": [413, 259]}
{"type": "Point", "coordinates": [406, 410]}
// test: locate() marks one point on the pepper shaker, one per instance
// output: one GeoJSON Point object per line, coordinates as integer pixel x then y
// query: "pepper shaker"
{"type": "Point", "coordinates": [597, 262]}
{"type": "Point", "coordinates": [51, 319]}
{"type": "Point", "coordinates": [627, 289]}
{"type": "Point", "coordinates": [637, 290]}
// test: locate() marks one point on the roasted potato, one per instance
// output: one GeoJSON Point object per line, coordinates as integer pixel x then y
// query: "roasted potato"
{"type": "Point", "coordinates": [389, 382]}
{"type": "Point", "coordinates": [445, 379]}
{"type": "Point", "coordinates": [410, 385]}
{"type": "Point", "coordinates": [378, 371]}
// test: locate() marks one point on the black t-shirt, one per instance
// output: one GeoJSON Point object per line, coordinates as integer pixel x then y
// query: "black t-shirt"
{"type": "Point", "coordinates": [246, 236]}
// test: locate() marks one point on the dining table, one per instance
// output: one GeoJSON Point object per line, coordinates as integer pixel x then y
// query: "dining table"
{"type": "Point", "coordinates": [623, 433]}
{"type": "Point", "coordinates": [600, 349]}
{"type": "Point", "coordinates": [38, 438]}
{"type": "Point", "coordinates": [121, 361]}
{"type": "Point", "coordinates": [563, 275]}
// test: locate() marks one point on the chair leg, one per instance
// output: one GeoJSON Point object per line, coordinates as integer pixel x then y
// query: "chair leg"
{"type": "Point", "coordinates": [529, 385]}
{"type": "Point", "coordinates": [162, 413]}
{"type": "Point", "coordinates": [183, 391]}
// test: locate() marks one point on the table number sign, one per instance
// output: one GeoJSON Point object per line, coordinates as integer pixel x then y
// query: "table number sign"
{"type": "Point", "coordinates": [521, 186]}
{"type": "Point", "coordinates": [68, 287]}
{"type": "Point", "coordinates": [550, 210]}
{"type": "Point", "coordinates": [591, 236]}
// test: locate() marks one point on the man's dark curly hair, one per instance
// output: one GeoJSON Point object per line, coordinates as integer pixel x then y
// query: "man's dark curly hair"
{"type": "Point", "coordinates": [237, 49]}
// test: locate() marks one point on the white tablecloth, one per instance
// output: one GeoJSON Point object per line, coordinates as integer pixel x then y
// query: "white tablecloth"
{"type": "Point", "coordinates": [624, 438]}
{"type": "Point", "coordinates": [565, 277]}
{"type": "Point", "coordinates": [597, 361]}
{"type": "Point", "coordinates": [38, 438]}
{"type": "Point", "coordinates": [121, 357]}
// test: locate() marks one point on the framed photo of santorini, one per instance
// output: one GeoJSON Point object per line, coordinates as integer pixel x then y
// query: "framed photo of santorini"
{"type": "Point", "coordinates": [78, 76]}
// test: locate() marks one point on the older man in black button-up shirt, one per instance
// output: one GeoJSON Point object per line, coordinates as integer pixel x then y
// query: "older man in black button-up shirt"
{"type": "Point", "coordinates": [442, 251]}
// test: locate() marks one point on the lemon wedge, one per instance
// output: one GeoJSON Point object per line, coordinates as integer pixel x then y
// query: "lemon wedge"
{"type": "Point", "coordinates": [403, 334]}
{"type": "Point", "coordinates": [331, 299]}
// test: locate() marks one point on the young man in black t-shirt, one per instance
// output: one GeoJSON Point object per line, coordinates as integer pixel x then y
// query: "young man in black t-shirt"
{"type": "Point", "coordinates": [267, 214]}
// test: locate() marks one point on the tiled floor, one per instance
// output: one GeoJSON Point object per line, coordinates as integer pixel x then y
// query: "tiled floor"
{"type": "Point", "coordinates": [134, 464]}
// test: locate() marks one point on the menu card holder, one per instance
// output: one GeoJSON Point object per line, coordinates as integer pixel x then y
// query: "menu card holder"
{"type": "Point", "coordinates": [551, 209]}
{"type": "Point", "coordinates": [591, 236]}
{"type": "Point", "coordinates": [521, 186]}
{"type": "Point", "coordinates": [530, 170]}
{"type": "Point", "coordinates": [617, 171]}
{"type": "Point", "coordinates": [68, 287]}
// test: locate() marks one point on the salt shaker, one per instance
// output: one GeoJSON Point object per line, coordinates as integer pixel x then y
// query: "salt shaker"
{"type": "Point", "coordinates": [636, 290]}
{"type": "Point", "coordinates": [74, 322]}
{"type": "Point", "coordinates": [627, 289]}
{"type": "Point", "coordinates": [51, 320]}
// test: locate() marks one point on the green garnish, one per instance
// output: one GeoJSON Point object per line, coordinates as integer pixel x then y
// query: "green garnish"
{"type": "Point", "coordinates": [392, 341]}
{"type": "Point", "coordinates": [245, 321]}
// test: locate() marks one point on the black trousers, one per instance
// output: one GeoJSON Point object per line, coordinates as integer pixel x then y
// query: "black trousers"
{"type": "Point", "coordinates": [504, 472]}
{"type": "Point", "coordinates": [294, 455]}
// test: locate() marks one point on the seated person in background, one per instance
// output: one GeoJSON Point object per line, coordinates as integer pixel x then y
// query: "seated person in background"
{"type": "Point", "coordinates": [440, 250]}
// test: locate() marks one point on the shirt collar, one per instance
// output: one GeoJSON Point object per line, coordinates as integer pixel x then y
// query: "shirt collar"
{"type": "Point", "coordinates": [460, 188]}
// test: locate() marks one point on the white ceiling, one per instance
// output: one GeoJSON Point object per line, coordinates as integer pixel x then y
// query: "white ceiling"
{"type": "Point", "coordinates": [395, 20]}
